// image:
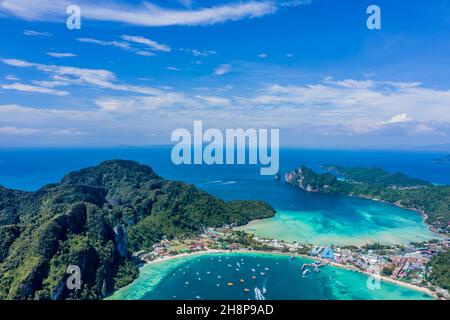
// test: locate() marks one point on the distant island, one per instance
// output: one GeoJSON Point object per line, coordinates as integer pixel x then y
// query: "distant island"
{"type": "Point", "coordinates": [445, 158]}
{"type": "Point", "coordinates": [95, 218]}
{"type": "Point", "coordinates": [377, 184]}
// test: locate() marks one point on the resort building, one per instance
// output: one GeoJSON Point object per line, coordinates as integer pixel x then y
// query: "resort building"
{"type": "Point", "coordinates": [328, 253]}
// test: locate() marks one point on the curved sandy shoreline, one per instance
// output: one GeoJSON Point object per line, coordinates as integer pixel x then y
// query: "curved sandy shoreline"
{"type": "Point", "coordinates": [334, 264]}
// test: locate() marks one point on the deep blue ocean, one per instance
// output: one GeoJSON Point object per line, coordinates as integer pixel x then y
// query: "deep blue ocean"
{"type": "Point", "coordinates": [301, 216]}
{"type": "Point", "coordinates": [29, 169]}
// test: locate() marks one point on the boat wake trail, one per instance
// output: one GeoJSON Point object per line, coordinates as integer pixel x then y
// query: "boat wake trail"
{"type": "Point", "coordinates": [214, 182]}
{"type": "Point", "coordinates": [258, 294]}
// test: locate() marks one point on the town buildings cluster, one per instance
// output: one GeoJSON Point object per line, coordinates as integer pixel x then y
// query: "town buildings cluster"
{"type": "Point", "coordinates": [408, 263]}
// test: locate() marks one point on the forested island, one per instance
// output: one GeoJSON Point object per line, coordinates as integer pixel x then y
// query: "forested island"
{"type": "Point", "coordinates": [394, 188]}
{"type": "Point", "coordinates": [378, 184]}
{"type": "Point", "coordinates": [94, 218]}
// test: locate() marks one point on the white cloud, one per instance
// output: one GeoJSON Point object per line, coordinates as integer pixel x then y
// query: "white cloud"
{"type": "Point", "coordinates": [315, 112]}
{"type": "Point", "coordinates": [16, 131]}
{"type": "Point", "coordinates": [32, 89]}
{"type": "Point", "coordinates": [148, 42]}
{"type": "Point", "coordinates": [97, 77]}
{"type": "Point", "coordinates": [64, 75]}
{"type": "Point", "coordinates": [172, 68]}
{"type": "Point", "coordinates": [51, 83]}
{"type": "Point", "coordinates": [36, 33]}
{"type": "Point", "coordinates": [144, 53]}
{"type": "Point", "coordinates": [349, 106]}
{"type": "Point", "coordinates": [145, 14]}
{"type": "Point", "coordinates": [222, 69]}
{"type": "Point", "coordinates": [61, 54]}
{"type": "Point", "coordinates": [225, 88]}
{"type": "Point", "coordinates": [119, 44]}
{"type": "Point", "coordinates": [127, 46]}
{"type": "Point", "coordinates": [423, 129]}
{"type": "Point", "coordinates": [165, 102]}
{"type": "Point", "coordinates": [216, 101]}
{"type": "Point", "coordinates": [294, 3]}
{"type": "Point", "coordinates": [400, 118]}
{"type": "Point", "coordinates": [199, 53]}
{"type": "Point", "coordinates": [402, 85]}
{"type": "Point", "coordinates": [17, 63]}
{"type": "Point", "coordinates": [351, 83]}
{"type": "Point", "coordinates": [11, 77]}
{"type": "Point", "coordinates": [263, 55]}
{"type": "Point", "coordinates": [331, 107]}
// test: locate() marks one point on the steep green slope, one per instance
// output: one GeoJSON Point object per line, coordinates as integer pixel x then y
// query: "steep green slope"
{"type": "Point", "coordinates": [375, 175]}
{"type": "Point", "coordinates": [440, 274]}
{"type": "Point", "coordinates": [376, 183]}
{"type": "Point", "coordinates": [94, 219]}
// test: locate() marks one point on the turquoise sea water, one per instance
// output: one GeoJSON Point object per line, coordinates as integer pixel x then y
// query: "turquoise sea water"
{"type": "Point", "coordinates": [276, 276]}
{"type": "Point", "coordinates": [301, 216]}
{"type": "Point", "coordinates": [374, 223]}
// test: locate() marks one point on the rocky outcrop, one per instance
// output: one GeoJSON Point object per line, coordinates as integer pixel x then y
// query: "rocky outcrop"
{"type": "Point", "coordinates": [121, 240]}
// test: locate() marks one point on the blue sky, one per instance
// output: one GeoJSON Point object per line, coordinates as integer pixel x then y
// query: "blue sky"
{"type": "Point", "coordinates": [138, 70]}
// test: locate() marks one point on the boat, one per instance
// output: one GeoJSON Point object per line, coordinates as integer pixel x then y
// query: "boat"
{"type": "Point", "coordinates": [242, 281]}
{"type": "Point", "coordinates": [305, 271]}
{"type": "Point", "coordinates": [246, 290]}
{"type": "Point", "coordinates": [230, 284]}
{"type": "Point", "coordinates": [253, 277]}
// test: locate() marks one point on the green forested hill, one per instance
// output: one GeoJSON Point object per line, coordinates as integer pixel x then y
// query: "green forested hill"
{"type": "Point", "coordinates": [94, 219]}
{"type": "Point", "coordinates": [440, 274]}
{"type": "Point", "coordinates": [375, 183]}
{"type": "Point", "coordinates": [375, 175]}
